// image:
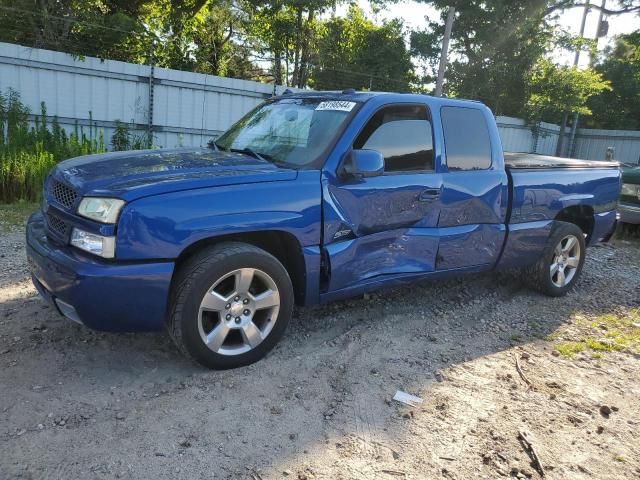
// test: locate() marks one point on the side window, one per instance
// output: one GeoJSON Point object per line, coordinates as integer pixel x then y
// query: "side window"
{"type": "Point", "coordinates": [466, 138]}
{"type": "Point", "coordinates": [402, 133]}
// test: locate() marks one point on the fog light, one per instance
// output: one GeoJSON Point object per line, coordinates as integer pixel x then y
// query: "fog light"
{"type": "Point", "coordinates": [92, 243]}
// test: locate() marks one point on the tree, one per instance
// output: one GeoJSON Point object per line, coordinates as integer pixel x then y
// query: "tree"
{"type": "Point", "coordinates": [82, 27]}
{"type": "Point", "coordinates": [622, 6]}
{"type": "Point", "coordinates": [619, 108]}
{"type": "Point", "coordinates": [493, 44]}
{"type": "Point", "coordinates": [209, 40]}
{"type": "Point", "coordinates": [553, 90]}
{"type": "Point", "coordinates": [287, 32]}
{"type": "Point", "coordinates": [355, 52]}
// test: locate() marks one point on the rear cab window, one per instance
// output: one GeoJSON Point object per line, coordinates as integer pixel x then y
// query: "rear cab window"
{"type": "Point", "coordinates": [466, 139]}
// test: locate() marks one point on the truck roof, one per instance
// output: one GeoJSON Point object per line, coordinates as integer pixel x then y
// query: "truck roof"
{"type": "Point", "coordinates": [362, 97]}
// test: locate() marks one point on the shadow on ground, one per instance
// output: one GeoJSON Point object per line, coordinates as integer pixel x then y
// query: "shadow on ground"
{"type": "Point", "coordinates": [82, 404]}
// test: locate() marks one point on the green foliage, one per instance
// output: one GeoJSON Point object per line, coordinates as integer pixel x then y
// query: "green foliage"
{"type": "Point", "coordinates": [108, 29]}
{"type": "Point", "coordinates": [355, 52]}
{"type": "Point", "coordinates": [494, 43]}
{"type": "Point", "coordinates": [27, 152]}
{"type": "Point", "coordinates": [22, 174]}
{"type": "Point", "coordinates": [495, 46]}
{"type": "Point", "coordinates": [619, 108]}
{"type": "Point", "coordinates": [614, 332]}
{"type": "Point", "coordinates": [124, 139]}
{"type": "Point", "coordinates": [570, 349]}
{"type": "Point", "coordinates": [554, 89]}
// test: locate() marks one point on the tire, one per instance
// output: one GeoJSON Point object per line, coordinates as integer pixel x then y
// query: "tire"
{"type": "Point", "coordinates": [230, 304]}
{"type": "Point", "coordinates": [561, 263]}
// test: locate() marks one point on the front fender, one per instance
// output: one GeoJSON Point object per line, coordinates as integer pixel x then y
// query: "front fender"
{"type": "Point", "coordinates": [162, 226]}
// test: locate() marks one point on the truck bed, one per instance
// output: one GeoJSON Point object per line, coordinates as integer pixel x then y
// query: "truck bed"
{"type": "Point", "coordinates": [513, 160]}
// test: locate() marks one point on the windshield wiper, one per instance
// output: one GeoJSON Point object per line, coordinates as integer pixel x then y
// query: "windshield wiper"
{"type": "Point", "coordinates": [265, 157]}
{"type": "Point", "coordinates": [247, 151]}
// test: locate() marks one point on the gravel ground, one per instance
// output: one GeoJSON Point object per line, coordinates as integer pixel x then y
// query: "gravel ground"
{"type": "Point", "coordinates": [81, 404]}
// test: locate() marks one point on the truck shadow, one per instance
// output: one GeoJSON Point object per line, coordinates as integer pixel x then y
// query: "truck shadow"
{"type": "Point", "coordinates": [329, 381]}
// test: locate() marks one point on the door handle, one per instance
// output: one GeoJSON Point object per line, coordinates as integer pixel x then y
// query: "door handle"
{"type": "Point", "coordinates": [429, 195]}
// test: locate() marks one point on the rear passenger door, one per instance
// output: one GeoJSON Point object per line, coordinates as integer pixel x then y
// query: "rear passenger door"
{"type": "Point", "coordinates": [475, 191]}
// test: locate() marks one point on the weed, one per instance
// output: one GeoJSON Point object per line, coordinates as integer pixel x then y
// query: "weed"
{"type": "Point", "coordinates": [30, 148]}
{"type": "Point", "coordinates": [602, 345]}
{"type": "Point", "coordinates": [569, 349]}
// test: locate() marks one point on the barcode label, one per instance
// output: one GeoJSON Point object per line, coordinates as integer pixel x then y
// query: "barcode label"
{"type": "Point", "coordinates": [336, 105]}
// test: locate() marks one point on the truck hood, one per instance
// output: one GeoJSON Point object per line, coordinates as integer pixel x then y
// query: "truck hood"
{"type": "Point", "coordinates": [135, 174]}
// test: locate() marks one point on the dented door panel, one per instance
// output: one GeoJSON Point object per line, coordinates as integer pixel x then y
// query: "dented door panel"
{"type": "Point", "coordinates": [472, 217]}
{"type": "Point", "coordinates": [381, 225]}
{"type": "Point", "coordinates": [398, 251]}
{"type": "Point", "coordinates": [469, 245]}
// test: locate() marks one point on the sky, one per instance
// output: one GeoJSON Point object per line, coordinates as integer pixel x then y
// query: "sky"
{"type": "Point", "coordinates": [413, 14]}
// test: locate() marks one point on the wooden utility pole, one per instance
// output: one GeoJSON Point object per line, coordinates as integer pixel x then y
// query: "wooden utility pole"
{"type": "Point", "coordinates": [445, 51]}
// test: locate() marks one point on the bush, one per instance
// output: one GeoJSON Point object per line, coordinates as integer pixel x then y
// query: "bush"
{"type": "Point", "coordinates": [124, 139]}
{"type": "Point", "coordinates": [27, 153]}
{"type": "Point", "coordinates": [22, 174]}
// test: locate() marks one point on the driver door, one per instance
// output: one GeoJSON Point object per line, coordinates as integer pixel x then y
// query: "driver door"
{"type": "Point", "coordinates": [386, 225]}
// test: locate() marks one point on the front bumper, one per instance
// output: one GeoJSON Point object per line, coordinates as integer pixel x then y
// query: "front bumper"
{"type": "Point", "coordinates": [103, 295]}
{"type": "Point", "coordinates": [629, 213]}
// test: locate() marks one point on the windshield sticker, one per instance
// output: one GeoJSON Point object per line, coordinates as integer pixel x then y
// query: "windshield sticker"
{"type": "Point", "coordinates": [340, 105]}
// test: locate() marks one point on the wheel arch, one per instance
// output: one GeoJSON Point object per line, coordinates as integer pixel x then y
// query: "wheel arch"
{"type": "Point", "coordinates": [581, 216]}
{"type": "Point", "coordinates": [282, 245]}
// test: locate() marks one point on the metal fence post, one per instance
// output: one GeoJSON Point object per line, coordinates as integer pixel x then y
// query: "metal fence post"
{"type": "Point", "coordinates": [150, 106]}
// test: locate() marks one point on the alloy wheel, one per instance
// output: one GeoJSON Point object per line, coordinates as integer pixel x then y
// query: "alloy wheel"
{"type": "Point", "coordinates": [239, 311]}
{"type": "Point", "coordinates": [565, 262]}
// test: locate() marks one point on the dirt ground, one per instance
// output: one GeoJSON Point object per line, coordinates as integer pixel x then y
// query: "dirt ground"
{"type": "Point", "coordinates": [77, 404]}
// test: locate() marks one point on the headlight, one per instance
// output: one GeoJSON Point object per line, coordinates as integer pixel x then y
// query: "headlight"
{"type": "Point", "coordinates": [629, 189]}
{"type": "Point", "coordinates": [103, 210]}
{"type": "Point", "coordinates": [92, 243]}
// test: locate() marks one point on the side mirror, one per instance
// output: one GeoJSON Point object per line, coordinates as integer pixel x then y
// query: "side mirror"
{"type": "Point", "coordinates": [364, 163]}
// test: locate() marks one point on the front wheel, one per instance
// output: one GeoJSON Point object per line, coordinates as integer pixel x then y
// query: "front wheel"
{"type": "Point", "coordinates": [230, 305]}
{"type": "Point", "coordinates": [561, 264]}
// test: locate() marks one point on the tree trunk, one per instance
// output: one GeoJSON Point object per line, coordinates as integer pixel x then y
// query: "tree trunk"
{"type": "Point", "coordinates": [306, 52]}
{"type": "Point", "coordinates": [277, 69]}
{"type": "Point", "coordinates": [296, 53]}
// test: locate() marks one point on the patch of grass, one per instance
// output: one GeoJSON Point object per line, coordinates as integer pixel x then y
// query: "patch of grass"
{"type": "Point", "coordinates": [16, 214]}
{"type": "Point", "coordinates": [553, 336]}
{"type": "Point", "coordinates": [569, 349]}
{"type": "Point", "coordinates": [602, 346]}
{"type": "Point", "coordinates": [619, 458]}
{"type": "Point", "coordinates": [611, 332]}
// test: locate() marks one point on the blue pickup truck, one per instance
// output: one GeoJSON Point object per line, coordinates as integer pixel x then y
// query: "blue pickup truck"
{"type": "Point", "coordinates": [307, 199]}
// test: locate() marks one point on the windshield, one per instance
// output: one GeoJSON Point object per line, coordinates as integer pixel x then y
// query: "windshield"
{"type": "Point", "coordinates": [291, 131]}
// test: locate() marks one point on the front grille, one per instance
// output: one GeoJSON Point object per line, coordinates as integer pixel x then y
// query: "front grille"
{"type": "Point", "coordinates": [57, 226]}
{"type": "Point", "coordinates": [62, 194]}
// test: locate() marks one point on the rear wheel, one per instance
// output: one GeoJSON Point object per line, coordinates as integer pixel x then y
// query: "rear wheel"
{"type": "Point", "coordinates": [231, 304]}
{"type": "Point", "coordinates": [561, 264]}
